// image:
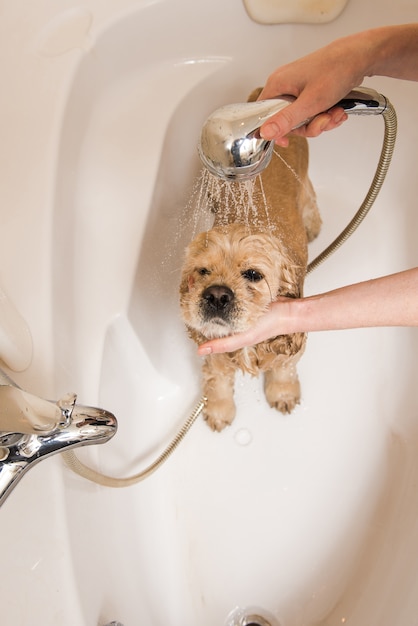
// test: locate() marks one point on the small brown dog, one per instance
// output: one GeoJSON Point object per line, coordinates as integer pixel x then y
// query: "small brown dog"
{"type": "Point", "coordinates": [232, 273]}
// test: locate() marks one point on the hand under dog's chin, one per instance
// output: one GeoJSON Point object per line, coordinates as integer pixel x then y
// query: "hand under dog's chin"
{"type": "Point", "coordinates": [216, 329]}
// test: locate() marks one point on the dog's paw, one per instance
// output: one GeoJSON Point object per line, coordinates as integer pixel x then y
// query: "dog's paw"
{"type": "Point", "coordinates": [283, 396]}
{"type": "Point", "coordinates": [219, 413]}
{"type": "Point", "coordinates": [286, 404]}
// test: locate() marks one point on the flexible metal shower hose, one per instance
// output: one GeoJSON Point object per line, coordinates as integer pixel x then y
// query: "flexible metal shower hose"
{"type": "Point", "coordinates": [83, 470]}
{"type": "Point", "coordinates": [80, 468]}
{"type": "Point", "coordinates": [389, 117]}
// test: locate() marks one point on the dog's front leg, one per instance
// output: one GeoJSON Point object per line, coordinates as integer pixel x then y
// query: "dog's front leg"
{"type": "Point", "coordinates": [218, 387]}
{"type": "Point", "coordinates": [281, 384]}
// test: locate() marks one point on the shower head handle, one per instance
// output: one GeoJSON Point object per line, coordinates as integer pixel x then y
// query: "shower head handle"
{"type": "Point", "coordinates": [230, 144]}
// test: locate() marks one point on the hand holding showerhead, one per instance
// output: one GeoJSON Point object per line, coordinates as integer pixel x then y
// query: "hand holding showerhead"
{"type": "Point", "coordinates": [230, 144]}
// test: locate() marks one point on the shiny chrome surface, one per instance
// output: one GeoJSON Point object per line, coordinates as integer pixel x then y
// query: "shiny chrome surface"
{"type": "Point", "coordinates": [254, 620]}
{"type": "Point", "coordinates": [251, 616]}
{"type": "Point", "coordinates": [230, 145]}
{"type": "Point", "coordinates": [32, 429]}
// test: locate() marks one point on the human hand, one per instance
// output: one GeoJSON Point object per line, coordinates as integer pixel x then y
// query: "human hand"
{"type": "Point", "coordinates": [318, 81]}
{"type": "Point", "coordinates": [277, 320]}
{"type": "Point", "coordinates": [331, 119]}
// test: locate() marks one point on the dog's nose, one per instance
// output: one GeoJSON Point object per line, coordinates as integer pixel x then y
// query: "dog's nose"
{"type": "Point", "coordinates": [218, 297]}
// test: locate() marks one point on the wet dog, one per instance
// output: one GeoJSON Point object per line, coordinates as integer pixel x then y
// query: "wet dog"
{"type": "Point", "coordinates": [232, 273]}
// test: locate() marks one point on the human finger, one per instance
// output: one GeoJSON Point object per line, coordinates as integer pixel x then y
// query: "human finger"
{"type": "Point", "coordinates": [225, 344]}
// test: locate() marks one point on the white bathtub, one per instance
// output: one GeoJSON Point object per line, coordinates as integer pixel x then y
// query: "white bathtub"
{"type": "Point", "coordinates": [310, 518]}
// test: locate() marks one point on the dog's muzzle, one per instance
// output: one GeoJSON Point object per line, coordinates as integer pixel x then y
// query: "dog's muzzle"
{"type": "Point", "coordinates": [217, 301]}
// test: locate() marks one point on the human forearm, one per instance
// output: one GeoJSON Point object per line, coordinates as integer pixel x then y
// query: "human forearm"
{"type": "Point", "coordinates": [322, 78]}
{"type": "Point", "coordinates": [387, 301]}
{"type": "Point", "coordinates": [394, 51]}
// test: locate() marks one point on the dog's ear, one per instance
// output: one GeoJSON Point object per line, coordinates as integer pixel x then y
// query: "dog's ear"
{"type": "Point", "coordinates": [271, 352]}
{"type": "Point", "coordinates": [184, 285]}
{"type": "Point", "coordinates": [291, 280]}
{"type": "Point", "coordinates": [254, 94]}
{"type": "Point", "coordinates": [187, 281]}
{"type": "Point", "coordinates": [291, 269]}
{"type": "Point", "coordinates": [289, 273]}
{"type": "Point", "coordinates": [185, 273]}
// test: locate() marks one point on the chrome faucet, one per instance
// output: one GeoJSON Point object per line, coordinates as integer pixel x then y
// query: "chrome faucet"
{"type": "Point", "coordinates": [32, 429]}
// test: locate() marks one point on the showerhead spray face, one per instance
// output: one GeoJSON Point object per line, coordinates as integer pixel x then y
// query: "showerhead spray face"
{"type": "Point", "coordinates": [230, 144]}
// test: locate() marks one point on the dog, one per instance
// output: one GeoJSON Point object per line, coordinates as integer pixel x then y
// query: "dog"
{"type": "Point", "coordinates": [232, 273]}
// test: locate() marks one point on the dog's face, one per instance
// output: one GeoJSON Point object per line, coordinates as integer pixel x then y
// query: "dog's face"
{"type": "Point", "coordinates": [229, 278]}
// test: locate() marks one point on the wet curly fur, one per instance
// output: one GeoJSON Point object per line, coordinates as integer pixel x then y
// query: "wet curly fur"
{"type": "Point", "coordinates": [232, 273]}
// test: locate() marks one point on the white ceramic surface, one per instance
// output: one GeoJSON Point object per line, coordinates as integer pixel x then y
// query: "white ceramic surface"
{"type": "Point", "coordinates": [311, 516]}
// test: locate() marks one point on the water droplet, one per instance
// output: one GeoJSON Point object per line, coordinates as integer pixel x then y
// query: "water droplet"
{"type": "Point", "coordinates": [243, 437]}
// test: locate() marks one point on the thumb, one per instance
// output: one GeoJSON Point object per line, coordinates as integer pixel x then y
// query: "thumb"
{"type": "Point", "coordinates": [282, 123]}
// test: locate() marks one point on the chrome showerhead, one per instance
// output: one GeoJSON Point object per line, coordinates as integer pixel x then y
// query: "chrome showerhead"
{"type": "Point", "coordinates": [230, 144]}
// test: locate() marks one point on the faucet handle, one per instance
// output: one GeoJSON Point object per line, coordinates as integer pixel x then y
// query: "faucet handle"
{"type": "Point", "coordinates": [22, 412]}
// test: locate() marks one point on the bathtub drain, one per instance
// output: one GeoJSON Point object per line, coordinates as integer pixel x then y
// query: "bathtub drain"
{"type": "Point", "coordinates": [254, 620]}
{"type": "Point", "coordinates": [252, 616]}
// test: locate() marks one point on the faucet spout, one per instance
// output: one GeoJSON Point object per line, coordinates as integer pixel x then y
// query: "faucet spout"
{"type": "Point", "coordinates": [32, 429]}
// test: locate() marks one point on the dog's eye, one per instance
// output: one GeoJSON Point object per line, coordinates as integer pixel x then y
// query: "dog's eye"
{"type": "Point", "coordinates": [203, 271]}
{"type": "Point", "coordinates": [252, 275]}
